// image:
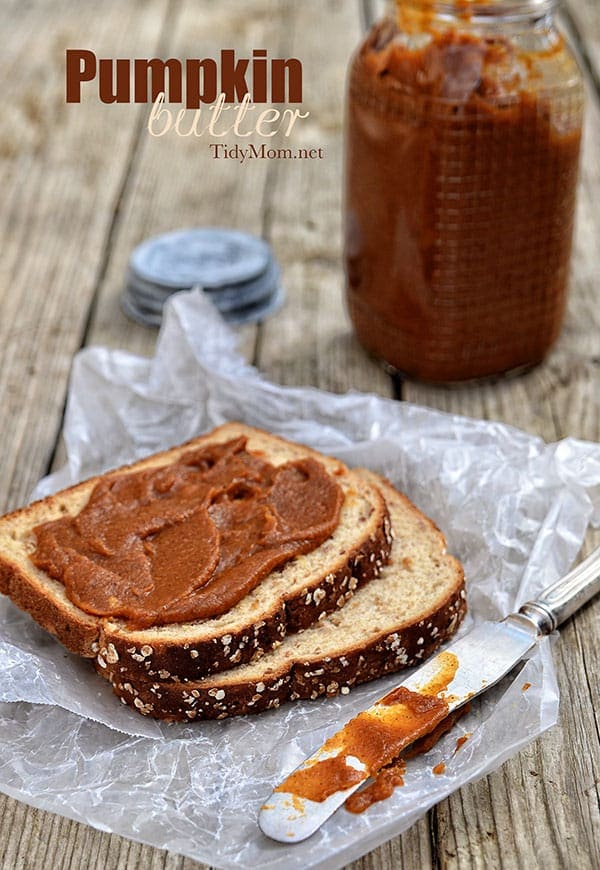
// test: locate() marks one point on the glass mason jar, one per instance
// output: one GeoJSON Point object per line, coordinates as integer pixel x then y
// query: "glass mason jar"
{"type": "Point", "coordinates": [463, 132]}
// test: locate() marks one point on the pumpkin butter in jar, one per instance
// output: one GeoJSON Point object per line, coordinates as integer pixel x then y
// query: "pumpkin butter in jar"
{"type": "Point", "coordinates": [463, 133]}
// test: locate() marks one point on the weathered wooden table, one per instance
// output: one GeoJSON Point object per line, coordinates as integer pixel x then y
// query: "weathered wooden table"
{"type": "Point", "coordinates": [81, 185]}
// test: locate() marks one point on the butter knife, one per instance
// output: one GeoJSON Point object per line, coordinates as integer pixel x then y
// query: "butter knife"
{"type": "Point", "coordinates": [480, 659]}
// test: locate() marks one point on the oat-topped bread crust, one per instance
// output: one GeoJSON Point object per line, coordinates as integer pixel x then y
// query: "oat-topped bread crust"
{"type": "Point", "coordinates": [287, 600]}
{"type": "Point", "coordinates": [395, 621]}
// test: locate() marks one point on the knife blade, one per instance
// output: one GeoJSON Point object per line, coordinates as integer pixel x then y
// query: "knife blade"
{"type": "Point", "coordinates": [461, 671]}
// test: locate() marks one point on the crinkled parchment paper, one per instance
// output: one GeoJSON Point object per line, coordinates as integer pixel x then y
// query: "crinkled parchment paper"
{"type": "Point", "coordinates": [514, 509]}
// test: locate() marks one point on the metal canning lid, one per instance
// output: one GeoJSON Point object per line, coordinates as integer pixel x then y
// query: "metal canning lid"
{"type": "Point", "coordinates": [132, 308]}
{"type": "Point", "coordinates": [152, 316]}
{"type": "Point", "coordinates": [211, 257]}
{"type": "Point", "coordinates": [257, 291]}
{"type": "Point", "coordinates": [254, 313]}
{"type": "Point", "coordinates": [149, 290]}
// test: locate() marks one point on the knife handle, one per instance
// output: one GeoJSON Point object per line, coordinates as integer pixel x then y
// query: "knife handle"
{"type": "Point", "coordinates": [561, 599]}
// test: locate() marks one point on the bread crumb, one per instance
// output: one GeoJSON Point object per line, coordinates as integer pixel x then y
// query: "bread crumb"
{"type": "Point", "coordinates": [318, 595]}
{"type": "Point", "coordinates": [112, 656]}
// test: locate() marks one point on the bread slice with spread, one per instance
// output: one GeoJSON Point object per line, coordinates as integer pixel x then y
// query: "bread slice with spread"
{"type": "Point", "coordinates": [293, 596]}
{"type": "Point", "coordinates": [395, 621]}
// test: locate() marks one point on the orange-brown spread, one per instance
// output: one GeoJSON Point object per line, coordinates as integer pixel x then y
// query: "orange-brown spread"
{"type": "Point", "coordinates": [460, 741]}
{"type": "Point", "coordinates": [461, 172]}
{"type": "Point", "coordinates": [190, 539]}
{"type": "Point", "coordinates": [424, 744]}
{"type": "Point", "coordinates": [376, 738]}
{"type": "Point", "coordinates": [392, 776]}
{"type": "Point", "coordinates": [380, 789]}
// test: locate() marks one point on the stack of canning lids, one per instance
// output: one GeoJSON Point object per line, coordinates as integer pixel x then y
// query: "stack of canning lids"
{"type": "Point", "coordinates": [236, 270]}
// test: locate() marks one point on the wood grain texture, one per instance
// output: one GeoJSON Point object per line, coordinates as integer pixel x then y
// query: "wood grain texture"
{"type": "Point", "coordinates": [62, 168]}
{"type": "Point", "coordinates": [82, 185]}
{"type": "Point", "coordinates": [585, 20]}
{"type": "Point", "coordinates": [175, 183]}
{"type": "Point", "coordinates": [311, 343]}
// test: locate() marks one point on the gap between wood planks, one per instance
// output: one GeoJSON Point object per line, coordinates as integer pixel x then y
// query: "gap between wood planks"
{"type": "Point", "coordinates": [270, 186]}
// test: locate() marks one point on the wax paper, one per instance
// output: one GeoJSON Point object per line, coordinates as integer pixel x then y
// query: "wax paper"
{"type": "Point", "coordinates": [513, 508]}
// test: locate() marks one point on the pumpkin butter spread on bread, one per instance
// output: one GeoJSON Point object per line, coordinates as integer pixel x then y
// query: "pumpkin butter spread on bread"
{"type": "Point", "coordinates": [223, 568]}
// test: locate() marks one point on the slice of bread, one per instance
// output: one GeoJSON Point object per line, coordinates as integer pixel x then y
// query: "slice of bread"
{"type": "Point", "coordinates": [287, 600]}
{"type": "Point", "coordinates": [396, 621]}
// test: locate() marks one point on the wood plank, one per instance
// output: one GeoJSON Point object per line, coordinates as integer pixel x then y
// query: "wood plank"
{"type": "Point", "coordinates": [311, 342]}
{"type": "Point", "coordinates": [54, 214]}
{"type": "Point", "coordinates": [411, 851]}
{"type": "Point", "coordinates": [175, 182]}
{"type": "Point", "coordinates": [584, 17]}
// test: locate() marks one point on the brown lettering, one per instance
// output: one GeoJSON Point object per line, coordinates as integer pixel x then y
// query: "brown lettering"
{"type": "Point", "coordinates": [259, 75]}
{"type": "Point", "coordinates": [196, 94]}
{"type": "Point", "coordinates": [233, 76]}
{"type": "Point", "coordinates": [106, 90]}
{"type": "Point", "coordinates": [80, 67]}
{"type": "Point", "coordinates": [157, 69]}
{"type": "Point", "coordinates": [206, 81]}
{"type": "Point", "coordinates": [293, 67]}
